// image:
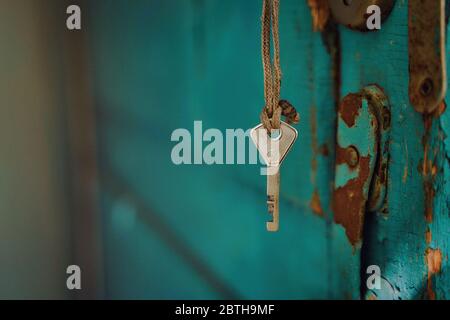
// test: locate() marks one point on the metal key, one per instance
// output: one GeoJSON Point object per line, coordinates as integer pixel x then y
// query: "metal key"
{"type": "Point", "coordinates": [273, 149]}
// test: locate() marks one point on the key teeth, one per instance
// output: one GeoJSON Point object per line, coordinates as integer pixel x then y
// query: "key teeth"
{"type": "Point", "coordinates": [271, 204]}
{"type": "Point", "coordinates": [272, 226]}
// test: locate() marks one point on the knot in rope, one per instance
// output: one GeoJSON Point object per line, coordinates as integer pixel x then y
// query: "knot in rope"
{"type": "Point", "coordinates": [272, 121]}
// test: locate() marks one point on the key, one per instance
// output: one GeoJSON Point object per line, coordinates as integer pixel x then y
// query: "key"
{"type": "Point", "coordinates": [273, 149]}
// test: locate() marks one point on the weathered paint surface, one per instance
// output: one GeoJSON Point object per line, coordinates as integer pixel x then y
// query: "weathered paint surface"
{"type": "Point", "coordinates": [197, 231]}
{"type": "Point", "coordinates": [356, 154]}
{"type": "Point", "coordinates": [410, 239]}
{"type": "Point", "coordinates": [320, 12]}
{"type": "Point", "coordinates": [362, 156]}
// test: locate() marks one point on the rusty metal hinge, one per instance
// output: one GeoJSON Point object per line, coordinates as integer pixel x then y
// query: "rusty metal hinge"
{"type": "Point", "coordinates": [362, 154]}
{"type": "Point", "coordinates": [427, 62]}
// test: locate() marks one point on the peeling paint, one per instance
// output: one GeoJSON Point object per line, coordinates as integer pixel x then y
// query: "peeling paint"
{"type": "Point", "coordinates": [352, 185]}
{"type": "Point", "coordinates": [429, 197]}
{"type": "Point", "coordinates": [349, 202]}
{"type": "Point", "coordinates": [427, 169]}
{"type": "Point", "coordinates": [428, 236]}
{"type": "Point", "coordinates": [372, 297]}
{"type": "Point", "coordinates": [361, 159]}
{"type": "Point", "coordinates": [405, 174]}
{"type": "Point", "coordinates": [398, 242]}
{"type": "Point", "coordinates": [434, 264]}
{"type": "Point", "coordinates": [350, 108]}
{"type": "Point", "coordinates": [320, 12]}
{"type": "Point", "coordinates": [316, 205]}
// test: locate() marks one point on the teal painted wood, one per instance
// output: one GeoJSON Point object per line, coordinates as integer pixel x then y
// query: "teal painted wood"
{"type": "Point", "coordinates": [199, 231]}
{"type": "Point", "coordinates": [396, 240]}
{"type": "Point", "coordinates": [438, 249]}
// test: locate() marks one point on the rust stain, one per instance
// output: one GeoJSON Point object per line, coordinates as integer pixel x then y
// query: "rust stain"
{"type": "Point", "coordinates": [429, 196]}
{"type": "Point", "coordinates": [427, 169]}
{"type": "Point", "coordinates": [434, 260]}
{"type": "Point", "coordinates": [405, 174]}
{"type": "Point", "coordinates": [316, 205]}
{"type": "Point", "coordinates": [434, 263]}
{"type": "Point", "coordinates": [406, 168]}
{"type": "Point", "coordinates": [332, 41]}
{"type": "Point", "coordinates": [426, 49]}
{"type": "Point", "coordinates": [349, 108]}
{"type": "Point", "coordinates": [323, 150]}
{"type": "Point", "coordinates": [440, 109]}
{"type": "Point", "coordinates": [314, 143]}
{"type": "Point", "coordinates": [434, 170]}
{"type": "Point", "coordinates": [320, 12]}
{"type": "Point", "coordinates": [428, 121]}
{"type": "Point", "coordinates": [428, 236]}
{"type": "Point", "coordinates": [349, 156]}
{"type": "Point", "coordinates": [372, 297]}
{"type": "Point", "coordinates": [349, 201]}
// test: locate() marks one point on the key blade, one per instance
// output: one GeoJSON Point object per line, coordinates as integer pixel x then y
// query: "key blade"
{"type": "Point", "coordinates": [273, 185]}
{"type": "Point", "coordinates": [274, 151]}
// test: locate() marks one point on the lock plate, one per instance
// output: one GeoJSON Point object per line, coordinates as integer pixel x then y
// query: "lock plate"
{"type": "Point", "coordinates": [353, 13]}
{"type": "Point", "coordinates": [362, 154]}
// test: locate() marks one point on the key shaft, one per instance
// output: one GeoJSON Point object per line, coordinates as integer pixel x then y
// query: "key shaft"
{"type": "Point", "coordinates": [273, 198]}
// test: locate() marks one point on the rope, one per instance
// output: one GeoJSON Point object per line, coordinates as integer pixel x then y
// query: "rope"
{"type": "Point", "coordinates": [274, 108]}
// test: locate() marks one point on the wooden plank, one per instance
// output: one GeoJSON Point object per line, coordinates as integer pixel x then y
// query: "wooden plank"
{"type": "Point", "coordinates": [398, 240]}
{"type": "Point", "coordinates": [437, 176]}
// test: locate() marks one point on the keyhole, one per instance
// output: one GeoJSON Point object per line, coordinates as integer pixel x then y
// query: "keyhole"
{"type": "Point", "coordinates": [427, 87]}
{"type": "Point", "coordinates": [275, 134]}
{"type": "Point", "coordinates": [347, 2]}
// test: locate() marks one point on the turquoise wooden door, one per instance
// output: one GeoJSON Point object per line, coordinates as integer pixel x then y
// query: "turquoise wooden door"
{"type": "Point", "coordinates": [410, 240]}
{"type": "Point", "coordinates": [199, 231]}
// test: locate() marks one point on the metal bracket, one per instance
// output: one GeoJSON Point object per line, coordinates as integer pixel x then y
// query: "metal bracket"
{"type": "Point", "coordinates": [427, 63]}
{"type": "Point", "coordinates": [362, 154]}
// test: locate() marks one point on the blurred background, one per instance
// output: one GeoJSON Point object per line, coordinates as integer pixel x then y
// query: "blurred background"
{"type": "Point", "coordinates": [86, 176]}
